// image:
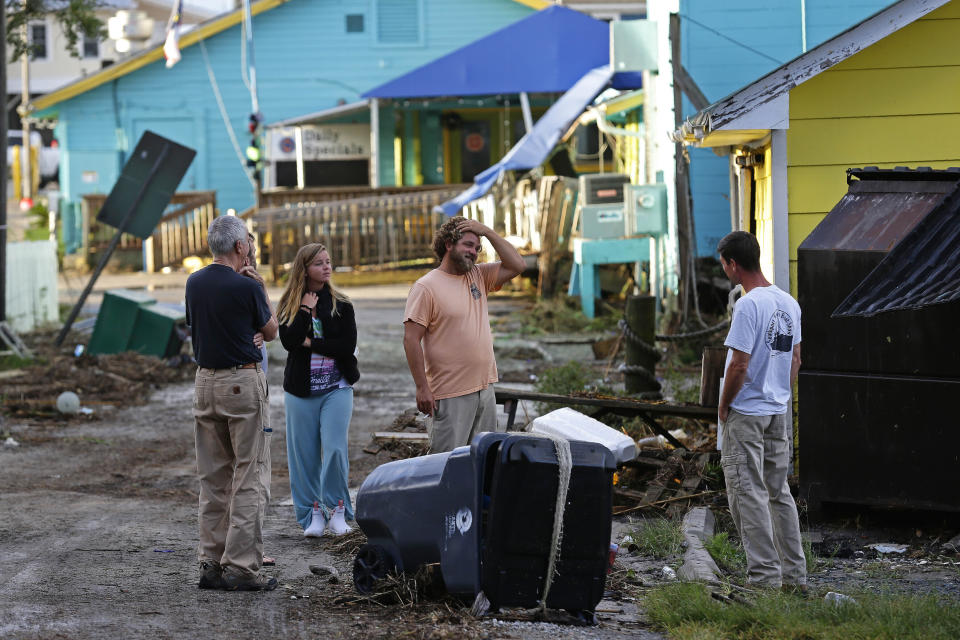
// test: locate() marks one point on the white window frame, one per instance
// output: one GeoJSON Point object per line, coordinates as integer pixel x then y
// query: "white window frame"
{"type": "Point", "coordinates": [46, 37]}
{"type": "Point", "coordinates": [83, 43]}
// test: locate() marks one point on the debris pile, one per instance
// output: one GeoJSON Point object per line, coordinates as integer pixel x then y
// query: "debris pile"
{"type": "Point", "coordinates": [406, 438]}
{"type": "Point", "coordinates": [121, 379]}
{"type": "Point", "coordinates": [668, 482]}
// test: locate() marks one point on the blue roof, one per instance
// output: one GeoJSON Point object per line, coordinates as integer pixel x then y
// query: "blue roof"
{"type": "Point", "coordinates": [546, 52]}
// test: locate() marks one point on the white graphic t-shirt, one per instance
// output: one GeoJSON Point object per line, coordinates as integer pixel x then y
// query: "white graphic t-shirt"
{"type": "Point", "coordinates": [766, 324]}
{"type": "Point", "coordinates": [324, 372]}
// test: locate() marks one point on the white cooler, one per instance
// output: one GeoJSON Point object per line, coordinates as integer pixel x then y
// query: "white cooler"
{"type": "Point", "coordinates": [574, 425]}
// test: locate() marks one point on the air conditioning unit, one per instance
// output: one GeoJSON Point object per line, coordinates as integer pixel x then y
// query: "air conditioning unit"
{"type": "Point", "coordinates": [646, 209]}
{"type": "Point", "coordinates": [602, 188]}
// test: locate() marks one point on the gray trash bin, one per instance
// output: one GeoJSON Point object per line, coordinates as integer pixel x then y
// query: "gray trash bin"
{"type": "Point", "coordinates": [485, 513]}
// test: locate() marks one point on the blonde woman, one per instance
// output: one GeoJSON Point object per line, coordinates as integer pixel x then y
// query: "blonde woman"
{"type": "Point", "coordinates": [319, 332]}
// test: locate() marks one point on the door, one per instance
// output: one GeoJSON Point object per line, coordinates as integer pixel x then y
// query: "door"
{"type": "Point", "coordinates": [474, 148]}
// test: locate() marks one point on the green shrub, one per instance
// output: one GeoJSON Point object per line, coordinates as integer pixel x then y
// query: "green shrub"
{"type": "Point", "coordinates": [729, 556]}
{"type": "Point", "coordinates": [660, 538]}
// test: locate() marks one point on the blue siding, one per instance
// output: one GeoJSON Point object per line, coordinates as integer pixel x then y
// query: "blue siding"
{"type": "Point", "coordinates": [726, 46]}
{"type": "Point", "coordinates": [306, 61]}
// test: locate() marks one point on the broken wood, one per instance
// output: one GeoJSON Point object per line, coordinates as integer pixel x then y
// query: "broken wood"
{"type": "Point", "coordinates": [666, 500]}
{"type": "Point", "coordinates": [401, 435]}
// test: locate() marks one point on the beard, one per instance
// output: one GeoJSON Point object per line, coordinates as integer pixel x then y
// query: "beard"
{"type": "Point", "coordinates": [462, 263]}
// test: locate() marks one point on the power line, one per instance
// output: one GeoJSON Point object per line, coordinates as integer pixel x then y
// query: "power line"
{"type": "Point", "coordinates": [729, 39]}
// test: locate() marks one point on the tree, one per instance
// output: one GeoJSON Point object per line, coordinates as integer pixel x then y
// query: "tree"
{"type": "Point", "coordinates": [77, 18]}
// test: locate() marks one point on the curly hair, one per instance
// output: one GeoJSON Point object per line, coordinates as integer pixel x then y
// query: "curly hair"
{"type": "Point", "coordinates": [446, 233]}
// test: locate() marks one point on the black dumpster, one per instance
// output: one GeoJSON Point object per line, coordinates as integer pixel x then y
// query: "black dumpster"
{"type": "Point", "coordinates": [485, 513]}
{"type": "Point", "coordinates": [877, 283]}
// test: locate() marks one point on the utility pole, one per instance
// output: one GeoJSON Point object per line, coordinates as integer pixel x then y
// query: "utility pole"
{"type": "Point", "coordinates": [3, 164]}
{"type": "Point", "coordinates": [26, 173]}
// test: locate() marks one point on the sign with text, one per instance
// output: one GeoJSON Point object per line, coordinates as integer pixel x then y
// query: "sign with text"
{"type": "Point", "coordinates": [320, 142]}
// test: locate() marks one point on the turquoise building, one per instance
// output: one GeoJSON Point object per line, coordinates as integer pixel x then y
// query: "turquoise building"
{"type": "Point", "coordinates": [310, 55]}
{"type": "Point", "coordinates": [725, 46]}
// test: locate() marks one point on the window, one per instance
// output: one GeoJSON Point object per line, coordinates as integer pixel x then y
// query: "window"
{"type": "Point", "coordinates": [37, 39]}
{"type": "Point", "coordinates": [90, 47]}
{"type": "Point", "coordinates": [398, 22]}
{"type": "Point", "coordinates": [355, 23]}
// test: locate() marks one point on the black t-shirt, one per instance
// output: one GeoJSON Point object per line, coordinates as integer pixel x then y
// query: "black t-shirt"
{"type": "Point", "coordinates": [224, 310]}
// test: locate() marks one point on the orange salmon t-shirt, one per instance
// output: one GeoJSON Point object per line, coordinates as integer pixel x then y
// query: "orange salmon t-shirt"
{"type": "Point", "coordinates": [458, 345]}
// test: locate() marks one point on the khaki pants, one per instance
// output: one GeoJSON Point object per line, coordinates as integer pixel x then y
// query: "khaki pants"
{"type": "Point", "coordinates": [456, 420]}
{"type": "Point", "coordinates": [755, 464]}
{"type": "Point", "coordinates": [233, 464]}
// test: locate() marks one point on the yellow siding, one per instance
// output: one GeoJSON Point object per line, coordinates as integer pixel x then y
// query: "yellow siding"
{"type": "Point", "coordinates": [925, 43]}
{"type": "Point", "coordinates": [845, 88]}
{"type": "Point", "coordinates": [896, 103]}
{"type": "Point", "coordinates": [857, 141]}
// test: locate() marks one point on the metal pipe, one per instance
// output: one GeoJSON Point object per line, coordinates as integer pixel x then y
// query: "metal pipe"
{"type": "Point", "coordinates": [525, 107]}
{"type": "Point", "coordinates": [803, 25]}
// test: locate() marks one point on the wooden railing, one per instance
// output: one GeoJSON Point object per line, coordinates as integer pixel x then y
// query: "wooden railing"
{"type": "Point", "coordinates": [390, 225]}
{"type": "Point", "coordinates": [180, 233]}
{"type": "Point", "coordinates": [382, 230]}
{"type": "Point", "coordinates": [280, 197]}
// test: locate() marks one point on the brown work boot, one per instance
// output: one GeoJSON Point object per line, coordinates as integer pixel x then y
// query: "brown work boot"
{"type": "Point", "coordinates": [234, 582]}
{"type": "Point", "coordinates": [211, 575]}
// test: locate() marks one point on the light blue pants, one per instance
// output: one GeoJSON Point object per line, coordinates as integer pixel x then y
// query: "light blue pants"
{"type": "Point", "coordinates": [317, 451]}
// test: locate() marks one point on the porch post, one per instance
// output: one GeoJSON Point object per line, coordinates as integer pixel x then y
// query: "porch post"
{"type": "Point", "coordinates": [374, 142]}
{"type": "Point", "coordinates": [781, 214]}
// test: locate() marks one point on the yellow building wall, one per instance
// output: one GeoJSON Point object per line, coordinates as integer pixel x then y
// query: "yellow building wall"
{"type": "Point", "coordinates": [896, 103]}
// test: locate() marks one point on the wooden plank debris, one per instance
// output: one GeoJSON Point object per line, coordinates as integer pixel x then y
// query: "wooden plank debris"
{"type": "Point", "coordinates": [401, 435]}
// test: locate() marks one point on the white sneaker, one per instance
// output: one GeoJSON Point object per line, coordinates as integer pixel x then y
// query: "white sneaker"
{"type": "Point", "coordinates": [318, 522]}
{"type": "Point", "coordinates": [338, 521]}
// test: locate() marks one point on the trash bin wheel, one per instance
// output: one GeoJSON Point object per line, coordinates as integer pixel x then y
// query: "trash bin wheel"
{"type": "Point", "coordinates": [371, 564]}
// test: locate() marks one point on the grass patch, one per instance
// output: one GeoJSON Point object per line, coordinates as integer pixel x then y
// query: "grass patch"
{"type": "Point", "coordinates": [687, 611]}
{"type": "Point", "coordinates": [563, 380]}
{"type": "Point", "coordinates": [728, 555]}
{"type": "Point", "coordinates": [660, 538]}
{"type": "Point", "coordinates": [12, 361]}
{"type": "Point", "coordinates": [809, 556]}
{"type": "Point", "coordinates": [561, 315]}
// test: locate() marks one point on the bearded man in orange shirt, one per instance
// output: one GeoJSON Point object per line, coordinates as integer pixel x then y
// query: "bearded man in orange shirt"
{"type": "Point", "coordinates": [447, 336]}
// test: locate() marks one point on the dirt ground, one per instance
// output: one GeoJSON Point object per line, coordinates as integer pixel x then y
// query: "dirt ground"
{"type": "Point", "coordinates": [98, 517]}
{"type": "Point", "coordinates": [98, 512]}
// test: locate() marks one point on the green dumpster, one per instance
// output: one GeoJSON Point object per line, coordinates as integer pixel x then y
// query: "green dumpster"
{"type": "Point", "coordinates": [115, 322]}
{"type": "Point", "coordinates": [155, 331]}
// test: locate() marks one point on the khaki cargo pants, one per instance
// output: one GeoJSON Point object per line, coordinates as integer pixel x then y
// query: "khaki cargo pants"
{"type": "Point", "coordinates": [456, 420]}
{"type": "Point", "coordinates": [233, 464]}
{"type": "Point", "coordinates": [755, 462]}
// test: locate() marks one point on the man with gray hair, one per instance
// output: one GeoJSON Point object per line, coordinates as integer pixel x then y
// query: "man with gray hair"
{"type": "Point", "coordinates": [225, 309]}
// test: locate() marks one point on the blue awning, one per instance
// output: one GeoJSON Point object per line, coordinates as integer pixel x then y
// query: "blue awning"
{"type": "Point", "coordinates": [546, 52]}
{"type": "Point", "coordinates": [540, 140]}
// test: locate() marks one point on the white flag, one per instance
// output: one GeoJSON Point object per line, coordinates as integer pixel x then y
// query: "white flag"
{"type": "Point", "coordinates": [171, 47]}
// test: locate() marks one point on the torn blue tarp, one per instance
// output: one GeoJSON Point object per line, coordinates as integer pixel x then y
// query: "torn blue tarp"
{"type": "Point", "coordinates": [540, 140]}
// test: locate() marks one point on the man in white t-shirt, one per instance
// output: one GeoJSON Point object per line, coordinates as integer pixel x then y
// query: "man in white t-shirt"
{"type": "Point", "coordinates": [762, 364]}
